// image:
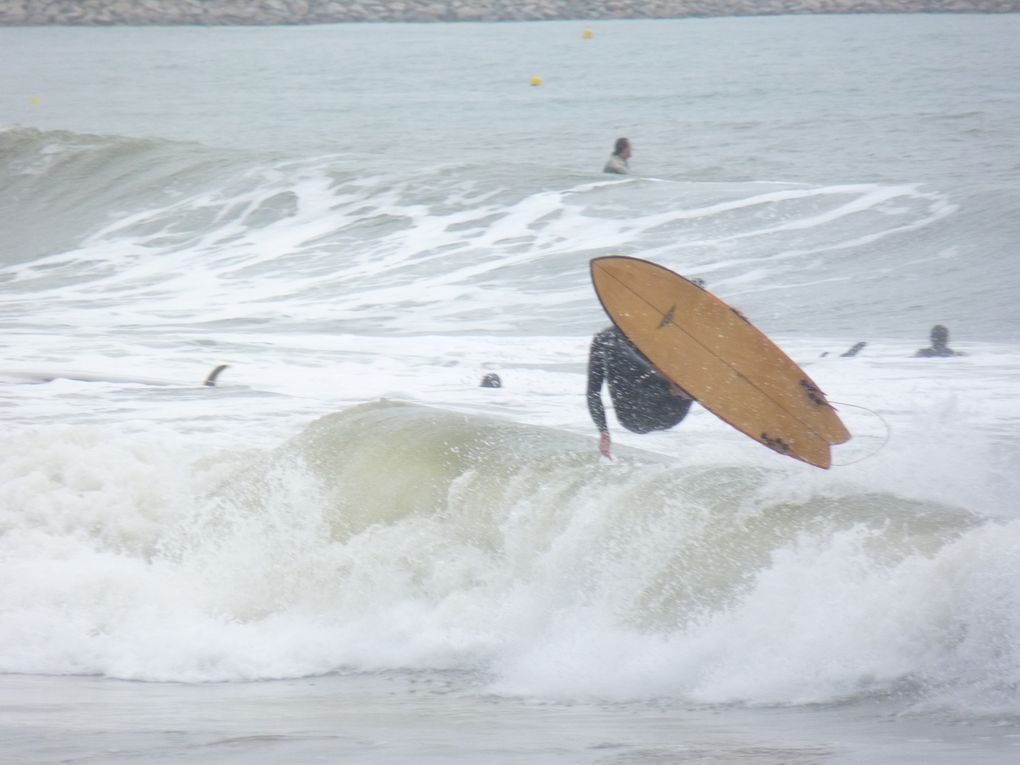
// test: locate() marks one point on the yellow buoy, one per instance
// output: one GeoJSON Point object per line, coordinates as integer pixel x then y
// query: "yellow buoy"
{"type": "Point", "coordinates": [35, 101]}
{"type": "Point", "coordinates": [587, 34]}
{"type": "Point", "coordinates": [536, 80]}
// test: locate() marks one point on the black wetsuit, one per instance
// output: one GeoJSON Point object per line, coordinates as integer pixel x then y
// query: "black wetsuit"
{"type": "Point", "coordinates": [936, 352]}
{"type": "Point", "coordinates": [641, 396]}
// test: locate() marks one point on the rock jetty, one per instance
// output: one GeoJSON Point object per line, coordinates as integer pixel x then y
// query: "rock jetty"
{"type": "Point", "coordinates": [267, 12]}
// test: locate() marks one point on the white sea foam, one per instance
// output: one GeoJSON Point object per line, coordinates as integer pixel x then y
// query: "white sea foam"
{"type": "Point", "coordinates": [413, 538]}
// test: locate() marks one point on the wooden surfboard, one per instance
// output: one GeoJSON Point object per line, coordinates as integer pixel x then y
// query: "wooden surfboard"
{"type": "Point", "coordinates": [714, 353]}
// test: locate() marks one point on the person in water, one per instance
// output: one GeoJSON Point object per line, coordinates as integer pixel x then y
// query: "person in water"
{"type": "Point", "coordinates": [644, 400]}
{"type": "Point", "coordinates": [618, 159]}
{"type": "Point", "coordinates": [939, 344]}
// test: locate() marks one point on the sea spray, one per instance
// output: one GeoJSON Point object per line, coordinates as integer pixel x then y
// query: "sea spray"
{"type": "Point", "coordinates": [394, 536]}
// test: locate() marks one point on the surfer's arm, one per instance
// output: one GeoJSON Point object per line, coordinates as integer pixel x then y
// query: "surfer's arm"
{"type": "Point", "coordinates": [596, 376]}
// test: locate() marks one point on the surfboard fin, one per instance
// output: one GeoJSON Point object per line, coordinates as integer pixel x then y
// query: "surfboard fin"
{"type": "Point", "coordinates": [210, 381]}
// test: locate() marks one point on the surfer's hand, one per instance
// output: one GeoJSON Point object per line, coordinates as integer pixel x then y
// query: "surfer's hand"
{"type": "Point", "coordinates": [604, 443]}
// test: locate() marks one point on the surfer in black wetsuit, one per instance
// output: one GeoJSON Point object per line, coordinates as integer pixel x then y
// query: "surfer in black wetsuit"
{"type": "Point", "coordinates": [644, 400]}
{"type": "Point", "coordinates": [619, 160]}
{"type": "Point", "coordinates": [939, 344]}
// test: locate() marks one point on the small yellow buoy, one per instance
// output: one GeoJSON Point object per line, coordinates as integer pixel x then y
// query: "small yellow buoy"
{"type": "Point", "coordinates": [536, 81]}
{"type": "Point", "coordinates": [35, 101]}
{"type": "Point", "coordinates": [587, 34]}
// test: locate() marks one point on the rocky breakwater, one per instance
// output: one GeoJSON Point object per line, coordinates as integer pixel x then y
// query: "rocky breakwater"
{"type": "Point", "coordinates": [237, 12]}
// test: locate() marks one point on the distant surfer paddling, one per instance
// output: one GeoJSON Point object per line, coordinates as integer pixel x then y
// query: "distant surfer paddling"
{"type": "Point", "coordinates": [939, 345]}
{"type": "Point", "coordinates": [644, 400]}
{"type": "Point", "coordinates": [619, 160]}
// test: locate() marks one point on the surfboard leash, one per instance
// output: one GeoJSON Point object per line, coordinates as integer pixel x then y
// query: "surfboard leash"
{"type": "Point", "coordinates": [881, 446]}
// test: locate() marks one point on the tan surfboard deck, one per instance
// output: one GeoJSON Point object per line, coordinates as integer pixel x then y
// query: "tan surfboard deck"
{"type": "Point", "coordinates": [714, 353]}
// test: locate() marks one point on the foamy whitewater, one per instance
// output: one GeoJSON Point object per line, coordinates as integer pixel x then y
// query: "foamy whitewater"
{"type": "Point", "coordinates": [347, 550]}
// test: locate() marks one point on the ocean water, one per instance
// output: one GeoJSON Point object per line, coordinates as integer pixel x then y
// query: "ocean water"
{"type": "Point", "coordinates": [347, 550]}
